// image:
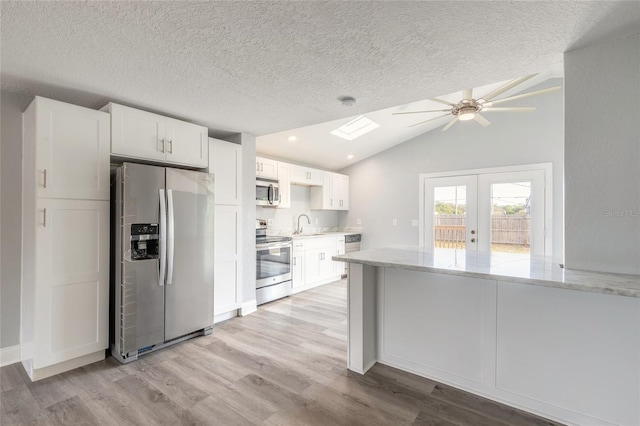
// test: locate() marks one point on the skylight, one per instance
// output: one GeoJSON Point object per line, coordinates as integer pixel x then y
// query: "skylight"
{"type": "Point", "coordinates": [355, 128]}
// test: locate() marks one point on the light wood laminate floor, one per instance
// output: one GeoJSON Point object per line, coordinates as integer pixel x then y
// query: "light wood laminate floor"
{"type": "Point", "coordinates": [283, 365]}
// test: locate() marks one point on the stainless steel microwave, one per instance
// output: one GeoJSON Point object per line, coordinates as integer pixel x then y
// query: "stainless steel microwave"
{"type": "Point", "coordinates": [267, 192]}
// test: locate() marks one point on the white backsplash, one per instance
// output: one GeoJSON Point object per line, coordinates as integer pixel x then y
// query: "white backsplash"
{"type": "Point", "coordinates": [284, 221]}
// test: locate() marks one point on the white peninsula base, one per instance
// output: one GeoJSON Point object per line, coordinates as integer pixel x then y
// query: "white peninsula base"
{"type": "Point", "coordinates": [571, 356]}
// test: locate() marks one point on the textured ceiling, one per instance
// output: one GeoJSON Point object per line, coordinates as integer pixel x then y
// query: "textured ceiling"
{"type": "Point", "coordinates": [263, 67]}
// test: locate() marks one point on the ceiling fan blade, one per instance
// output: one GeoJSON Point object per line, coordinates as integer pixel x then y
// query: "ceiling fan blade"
{"type": "Point", "coordinates": [417, 112]}
{"type": "Point", "coordinates": [467, 94]}
{"type": "Point", "coordinates": [451, 123]}
{"type": "Point", "coordinates": [514, 109]}
{"type": "Point", "coordinates": [442, 102]}
{"type": "Point", "coordinates": [500, 90]}
{"type": "Point", "coordinates": [431, 119]}
{"type": "Point", "coordinates": [524, 95]}
{"type": "Point", "coordinates": [483, 121]}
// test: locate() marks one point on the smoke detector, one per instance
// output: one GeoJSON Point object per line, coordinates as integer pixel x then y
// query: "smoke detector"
{"type": "Point", "coordinates": [347, 101]}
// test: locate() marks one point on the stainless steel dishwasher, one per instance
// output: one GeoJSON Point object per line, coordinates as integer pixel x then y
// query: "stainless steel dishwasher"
{"type": "Point", "coordinates": [351, 244]}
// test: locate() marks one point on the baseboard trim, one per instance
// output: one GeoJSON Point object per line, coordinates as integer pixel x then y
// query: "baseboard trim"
{"type": "Point", "coordinates": [9, 355]}
{"type": "Point", "coordinates": [248, 308]}
{"type": "Point", "coordinates": [225, 316]}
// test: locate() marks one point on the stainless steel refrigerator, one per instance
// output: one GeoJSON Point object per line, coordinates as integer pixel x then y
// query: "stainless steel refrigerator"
{"type": "Point", "coordinates": [162, 274]}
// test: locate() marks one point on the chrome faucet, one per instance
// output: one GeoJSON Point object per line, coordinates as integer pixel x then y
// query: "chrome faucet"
{"type": "Point", "coordinates": [299, 228]}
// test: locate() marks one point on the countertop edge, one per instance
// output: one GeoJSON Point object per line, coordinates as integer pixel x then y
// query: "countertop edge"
{"type": "Point", "coordinates": [591, 288]}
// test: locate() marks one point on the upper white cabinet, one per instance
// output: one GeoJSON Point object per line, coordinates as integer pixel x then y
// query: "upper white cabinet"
{"type": "Point", "coordinates": [65, 237]}
{"type": "Point", "coordinates": [333, 194]}
{"type": "Point", "coordinates": [71, 146]}
{"type": "Point", "coordinates": [284, 178]}
{"type": "Point", "coordinates": [225, 161]}
{"type": "Point", "coordinates": [306, 176]}
{"type": "Point", "coordinates": [147, 136]}
{"type": "Point", "coordinates": [266, 168]}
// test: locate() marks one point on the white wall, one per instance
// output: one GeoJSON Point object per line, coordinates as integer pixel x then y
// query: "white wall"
{"type": "Point", "coordinates": [286, 220]}
{"type": "Point", "coordinates": [385, 187]}
{"type": "Point", "coordinates": [11, 105]}
{"type": "Point", "coordinates": [602, 162]}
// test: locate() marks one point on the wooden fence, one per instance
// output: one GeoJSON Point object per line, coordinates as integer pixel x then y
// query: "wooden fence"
{"type": "Point", "coordinates": [450, 230]}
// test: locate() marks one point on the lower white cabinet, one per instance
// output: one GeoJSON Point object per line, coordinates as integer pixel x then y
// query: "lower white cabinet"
{"type": "Point", "coordinates": [312, 264]}
{"type": "Point", "coordinates": [228, 261]}
{"type": "Point", "coordinates": [298, 278]}
{"type": "Point", "coordinates": [65, 289]}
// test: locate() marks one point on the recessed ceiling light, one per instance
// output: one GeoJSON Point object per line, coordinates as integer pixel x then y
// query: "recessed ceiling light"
{"type": "Point", "coordinates": [292, 138]}
{"type": "Point", "coordinates": [350, 156]}
{"type": "Point", "coordinates": [355, 128]}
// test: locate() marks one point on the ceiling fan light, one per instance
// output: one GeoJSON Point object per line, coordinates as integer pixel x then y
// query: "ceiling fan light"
{"type": "Point", "coordinates": [466, 115]}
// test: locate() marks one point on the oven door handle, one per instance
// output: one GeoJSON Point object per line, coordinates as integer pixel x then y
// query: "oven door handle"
{"type": "Point", "coordinates": [272, 245]}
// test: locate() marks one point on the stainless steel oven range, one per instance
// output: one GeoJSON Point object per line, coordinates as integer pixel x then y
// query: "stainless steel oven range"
{"type": "Point", "coordinates": [273, 265]}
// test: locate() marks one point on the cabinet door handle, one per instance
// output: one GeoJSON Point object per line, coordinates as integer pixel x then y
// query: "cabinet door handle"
{"type": "Point", "coordinates": [45, 178]}
{"type": "Point", "coordinates": [170, 146]}
{"type": "Point", "coordinates": [331, 201]}
{"type": "Point", "coordinates": [44, 222]}
{"type": "Point", "coordinates": [162, 141]}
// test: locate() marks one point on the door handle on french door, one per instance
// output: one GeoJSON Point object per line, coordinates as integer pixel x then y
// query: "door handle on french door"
{"type": "Point", "coordinates": [170, 236]}
{"type": "Point", "coordinates": [163, 238]}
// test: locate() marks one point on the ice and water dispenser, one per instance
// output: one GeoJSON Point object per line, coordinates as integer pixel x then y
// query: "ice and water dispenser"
{"type": "Point", "coordinates": [144, 241]}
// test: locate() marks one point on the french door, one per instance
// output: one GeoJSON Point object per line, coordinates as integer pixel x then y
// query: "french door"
{"type": "Point", "coordinates": [500, 212]}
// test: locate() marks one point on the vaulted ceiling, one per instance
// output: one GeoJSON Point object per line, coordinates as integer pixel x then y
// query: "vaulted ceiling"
{"type": "Point", "coordinates": [265, 67]}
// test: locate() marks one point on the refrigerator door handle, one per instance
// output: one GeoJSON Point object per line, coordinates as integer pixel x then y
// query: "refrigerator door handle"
{"type": "Point", "coordinates": [163, 238]}
{"type": "Point", "coordinates": [170, 237]}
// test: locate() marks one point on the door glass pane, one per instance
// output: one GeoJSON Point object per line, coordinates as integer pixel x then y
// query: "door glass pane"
{"type": "Point", "coordinates": [449, 217]}
{"type": "Point", "coordinates": [511, 217]}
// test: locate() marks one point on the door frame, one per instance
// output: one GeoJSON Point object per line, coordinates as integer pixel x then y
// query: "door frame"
{"type": "Point", "coordinates": [547, 168]}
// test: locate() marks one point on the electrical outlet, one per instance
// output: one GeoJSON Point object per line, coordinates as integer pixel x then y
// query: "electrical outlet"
{"type": "Point", "coordinates": [359, 221]}
{"type": "Point", "coordinates": [414, 222]}
{"type": "Point", "coordinates": [395, 222]}
{"type": "Point", "coordinates": [317, 221]}
{"type": "Point", "coordinates": [269, 222]}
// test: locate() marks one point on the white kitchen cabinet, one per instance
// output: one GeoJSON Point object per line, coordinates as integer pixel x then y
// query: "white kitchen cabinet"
{"type": "Point", "coordinates": [284, 178]}
{"type": "Point", "coordinates": [225, 161]}
{"type": "Point", "coordinates": [146, 136]}
{"type": "Point", "coordinates": [306, 176]}
{"type": "Point", "coordinates": [266, 168]}
{"type": "Point", "coordinates": [71, 145]}
{"type": "Point", "coordinates": [333, 194]}
{"type": "Point", "coordinates": [227, 258]}
{"type": "Point", "coordinates": [187, 143]}
{"type": "Point", "coordinates": [315, 264]}
{"type": "Point", "coordinates": [65, 250]}
{"type": "Point", "coordinates": [298, 265]}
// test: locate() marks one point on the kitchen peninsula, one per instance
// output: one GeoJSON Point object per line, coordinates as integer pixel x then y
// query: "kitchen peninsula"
{"type": "Point", "coordinates": [564, 344]}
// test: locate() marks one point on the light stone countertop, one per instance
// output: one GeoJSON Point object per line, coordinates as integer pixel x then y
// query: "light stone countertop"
{"type": "Point", "coordinates": [508, 267]}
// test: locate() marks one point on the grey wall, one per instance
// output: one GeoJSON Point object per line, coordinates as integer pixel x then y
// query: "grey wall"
{"type": "Point", "coordinates": [602, 156]}
{"type": "Point", "coordinates": [385, 187]}
{"type": "Point", "coordinates": [11, 107]}
{"type": "Point", "coordinates": [248, 143]}
{"type": "Point", "coordinates": [286, 220]}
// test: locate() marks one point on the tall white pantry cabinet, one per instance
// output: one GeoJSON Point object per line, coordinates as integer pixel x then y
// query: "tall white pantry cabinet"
{"type": "Point", "coordinates": [225, 162]}
{"type": "Point", "coordinates": [65, 234]}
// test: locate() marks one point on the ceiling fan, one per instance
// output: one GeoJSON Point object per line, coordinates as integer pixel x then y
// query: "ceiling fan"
{"type": "Point", "coordinates": [469, 108]}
